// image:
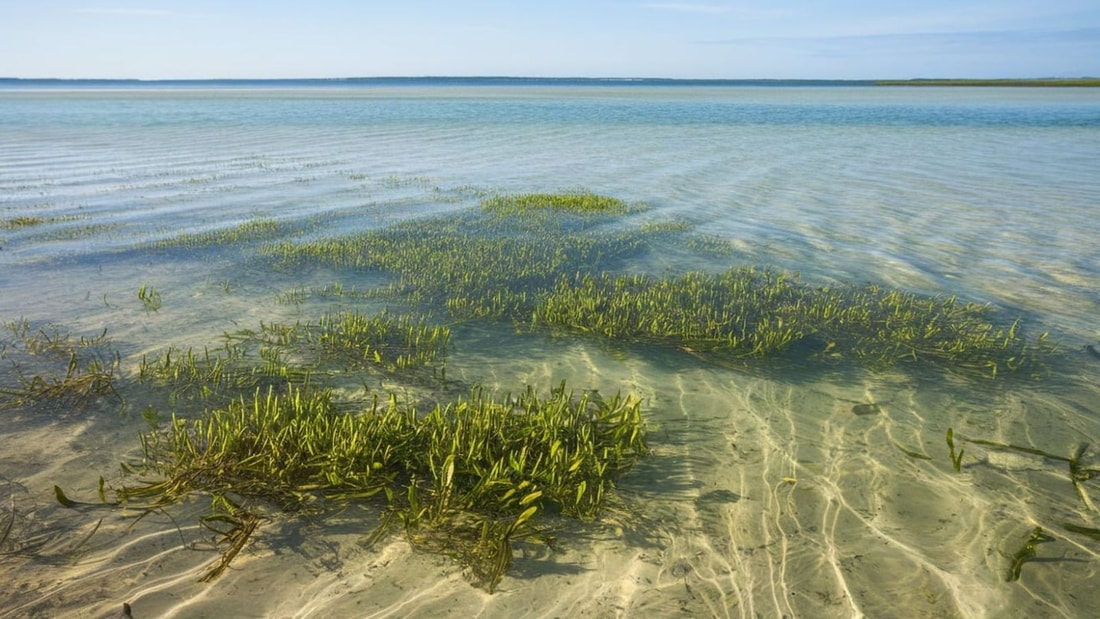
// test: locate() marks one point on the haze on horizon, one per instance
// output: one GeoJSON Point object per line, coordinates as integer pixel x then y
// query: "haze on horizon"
{"type": "Point", "coordinates": [745, 39]}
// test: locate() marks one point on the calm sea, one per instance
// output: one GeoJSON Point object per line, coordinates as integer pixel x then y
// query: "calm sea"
{"type": "Point", "coordinates": [766, 494]}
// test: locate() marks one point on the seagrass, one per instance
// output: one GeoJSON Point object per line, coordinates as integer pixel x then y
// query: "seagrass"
{"type": "Point", "coordinates": [462, 479]}
{"type": "Point", "coordinates": [558, 261]}
{"type": "Point", "coordinates": [258, 424]}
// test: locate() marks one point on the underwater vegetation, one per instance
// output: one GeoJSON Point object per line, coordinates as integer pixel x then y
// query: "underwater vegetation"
{"type": "Point", "coordinates": [47, 228]}
{"type": "Point", "coordinates": [185, 375]}
{"type": "Point", "coordinates": [546, 260]}
{"type": "Point", "coordinates": [258, 228]}
{"type": "Point", "coordinates": [277, 355]}
{"type": "Point", "coordinates": [576, 202]}
{"type": "Point", "coordinates": [150, 298]}
{"type": "Point", "coordinates": [390, 342]}
{"type": "Point", "coordinates": [458, 263]}
{"type": "Point", "coordinates": [278, 422]}
{"type": "Point", "coordinates": [258, 430]}
{"type": "Point", "coordinates": [1077, 473]}
{"type": "Point", "coordinates": [28, 221]}
{"type": "Point", "coordinates": [747, 312]}
{"type": "Point", "coordinates": [70, 373]}
{"type": "Point", "coordinates": [465, 479]}
{"type": "Point", "coordinates": [23, 221]}
{"type": "Point", "coordinates": [1027, 552]}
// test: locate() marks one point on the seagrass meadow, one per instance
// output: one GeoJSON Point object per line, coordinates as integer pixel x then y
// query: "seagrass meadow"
{"type": "Point", "coordinates": [279, 422]}
{"type": "Point", "coordinates": [585, 373]}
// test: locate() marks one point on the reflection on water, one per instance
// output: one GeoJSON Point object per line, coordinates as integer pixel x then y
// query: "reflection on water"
{"type": "Point", "coordinates": [769, 490]}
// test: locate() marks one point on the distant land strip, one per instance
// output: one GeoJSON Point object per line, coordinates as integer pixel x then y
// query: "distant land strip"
{"type": "Point", "coordinates": [55, 83]}
{"type": "Point", "coordinates": [1041, 82]}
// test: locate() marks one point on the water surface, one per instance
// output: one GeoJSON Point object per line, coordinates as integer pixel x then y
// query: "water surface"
{"type": "Point", "coordinates": [768, 493]}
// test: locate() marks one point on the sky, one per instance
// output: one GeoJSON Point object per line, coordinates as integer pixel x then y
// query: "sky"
{"type": "Point", "coordinates": [743, 39]}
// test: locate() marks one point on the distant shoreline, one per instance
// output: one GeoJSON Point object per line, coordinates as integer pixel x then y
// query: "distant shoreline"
{"type": "Point", "coordinates": [526, 81]}
{"type": "Point", "coordinates": [474, 80]}
{"type": "Point", "coordinates": [1086, 82]}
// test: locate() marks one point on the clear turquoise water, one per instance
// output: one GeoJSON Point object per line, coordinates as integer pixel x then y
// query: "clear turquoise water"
{"type": "Point", "coordinates": [986, 193]}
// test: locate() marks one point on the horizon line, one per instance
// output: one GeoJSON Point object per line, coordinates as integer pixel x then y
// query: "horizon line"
{"type": "Point", "coordinates": [537, 78]}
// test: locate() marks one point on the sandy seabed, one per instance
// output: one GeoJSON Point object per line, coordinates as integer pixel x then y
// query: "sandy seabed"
{"type": "Point", "coordinates": [829, 498]}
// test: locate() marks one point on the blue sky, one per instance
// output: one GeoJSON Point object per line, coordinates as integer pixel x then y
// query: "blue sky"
{"type": "Point", "coordinates": [838, 39]}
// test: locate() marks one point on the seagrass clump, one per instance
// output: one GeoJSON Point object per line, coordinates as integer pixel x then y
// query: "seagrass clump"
{"type": "Point", "coordinates": [740, 311]}
{"type": "Point", "coordinates": [70, 372]}
{"type": "Point", "coordinates": [881, 327]}
{"type": "Point", "coordinates": [392, 342]}
{"type": "Point", "coordinates": [256, 229]}
{"type": "Point", "coordinates": [748, 312]}
{"type": "Point", "coordinates": [21, 221]}
{"type": "Point", "coordinates": [582, 202]}
{"type": "Point", "coordinates": [473, 265]}
{"type": "Point", "coordinates": [560, 261]}
{"type": "Point", "coordinates": [75, 391]}
{"type": "Point", "coordinates": [466, 478]}
{"type": "Point", "coordinates": [280, 355]}
{"type": "Point", "coordinates": [217, 376]}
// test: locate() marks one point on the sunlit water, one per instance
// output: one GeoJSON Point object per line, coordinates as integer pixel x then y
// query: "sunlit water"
{"type": "Point", "coordinates": [766, 494]}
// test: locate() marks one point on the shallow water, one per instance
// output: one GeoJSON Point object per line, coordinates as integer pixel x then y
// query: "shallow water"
{"type": "Point", "coordinates": [769, 492]}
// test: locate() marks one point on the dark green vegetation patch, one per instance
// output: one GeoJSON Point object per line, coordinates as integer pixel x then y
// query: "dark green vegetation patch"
{"type": "Point", "coordinates": [570, 272]}
{"type": "Point", "coordinates": [578, 202]}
